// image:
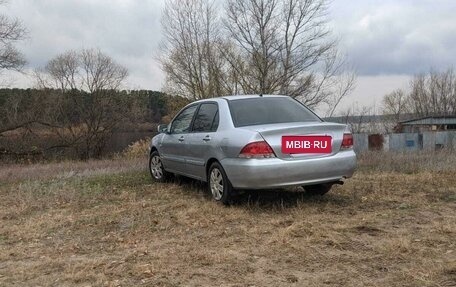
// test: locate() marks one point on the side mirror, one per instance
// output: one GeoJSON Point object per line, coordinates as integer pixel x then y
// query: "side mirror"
{"type": "Point", "coordinates": [162, 128]}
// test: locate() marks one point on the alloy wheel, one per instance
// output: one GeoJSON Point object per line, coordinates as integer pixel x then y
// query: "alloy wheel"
{"type": "Point", "coordinates": [156, 167]}
{"type": "Point", "coordinates": [216, 183]}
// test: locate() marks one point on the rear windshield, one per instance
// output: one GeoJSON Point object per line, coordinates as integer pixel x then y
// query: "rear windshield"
{"type": "Point", "coordinates": [269, 110]}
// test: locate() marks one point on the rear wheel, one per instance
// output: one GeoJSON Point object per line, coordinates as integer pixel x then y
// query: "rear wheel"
{"type": "Point", "coordinates": [318, 189]}
{"type": "Point", "coordinates": [219, 185]}
{"type": "Point", "coordinates": [156, 169]}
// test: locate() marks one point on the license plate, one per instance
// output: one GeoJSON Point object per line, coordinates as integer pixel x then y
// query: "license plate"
{"type": "Point", "coordinates": [306, 144]}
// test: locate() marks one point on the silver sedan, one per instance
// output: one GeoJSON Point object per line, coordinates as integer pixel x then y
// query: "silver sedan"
{"type": "Point", "coordinates": [253, 142]}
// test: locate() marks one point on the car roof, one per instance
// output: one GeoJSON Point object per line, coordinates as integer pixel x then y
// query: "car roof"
{"type": "Point", "coordinates": [239, 97]}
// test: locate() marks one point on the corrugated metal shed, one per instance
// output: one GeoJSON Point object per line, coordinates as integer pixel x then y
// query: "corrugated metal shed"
{"type": "Point", "coordinates": [448, 120]}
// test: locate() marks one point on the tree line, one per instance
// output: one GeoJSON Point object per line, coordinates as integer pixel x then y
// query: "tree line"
{"type": "Point", "coordinates": [429, 94]}
{"type": "Point", "coordinates": [76, 123]}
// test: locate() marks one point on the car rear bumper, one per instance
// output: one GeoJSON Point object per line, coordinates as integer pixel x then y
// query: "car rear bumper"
{"type": "Point", "coordinates": [275, 172]}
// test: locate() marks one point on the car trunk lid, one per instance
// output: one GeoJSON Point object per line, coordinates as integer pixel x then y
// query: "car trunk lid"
{"type": "Point", "coordinates": [272, 133]}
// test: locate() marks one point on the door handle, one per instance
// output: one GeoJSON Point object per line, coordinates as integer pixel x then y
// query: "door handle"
{"type": "Point", "coordinates": [207, 138]}
{"type": "Point", "coordinates": [181, 139]}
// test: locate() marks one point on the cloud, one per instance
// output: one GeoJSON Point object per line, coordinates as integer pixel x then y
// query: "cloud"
{"type": "Point", "coordinates": [396, 37]}
{"type": "Point", "coordinates": [128, 31]}
{"type": "Point", "coordinates": [370, 90]}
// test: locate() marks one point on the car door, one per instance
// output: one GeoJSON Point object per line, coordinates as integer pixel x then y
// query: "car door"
{"type": "Point", "coordinates": [202, 139]}
{"type": "Point", "coordinates": [173, 146]}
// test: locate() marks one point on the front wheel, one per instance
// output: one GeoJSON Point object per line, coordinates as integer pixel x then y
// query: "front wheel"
{"type": "Point", "coordinates": [318, 189]}
{"type": "Point", "coordinates": [219, 185]}
{"type": "Point", "coordinates": [156, 169]}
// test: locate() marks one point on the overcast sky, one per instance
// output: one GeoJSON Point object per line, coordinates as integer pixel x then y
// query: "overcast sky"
{"type": "Point", "coordinates": [386, 41]}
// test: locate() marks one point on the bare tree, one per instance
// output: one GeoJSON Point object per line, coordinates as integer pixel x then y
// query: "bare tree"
{"type": "Point", "coordinates": [19, 112]}
{"type": "Point", "coordinates": [87, 107]}
{"type": "Point", "coordinates": [11, 31]}
{"type": "Point", "coordinates": [87, 70]}
{"type": "Point", "coordinates": [395, 107]}
{"type": "Point", "coordinates": [191, 54]}
{"type": "Point", "coordinates": [430, 94]}
{"type": "Point", "coordinates": [288, 49]}
{"type": "Point", "coordinates": [269, 46]}
{"type": "Point", "coordinates": [253, 27]}
{"type": "Point", "coordinates": [361, 119]}
{"type": "Point", "coordinates": [434, 93]}
{"type": "Point", "coordinates": [337, 83]}
{"type": "Point", "coordinates": [395, 104]}
{"type": "Point", "coordinates": [13, 112]}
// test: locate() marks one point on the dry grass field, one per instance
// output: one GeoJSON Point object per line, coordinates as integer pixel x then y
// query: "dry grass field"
{"type": "Point", "coordinates": [105, 223]}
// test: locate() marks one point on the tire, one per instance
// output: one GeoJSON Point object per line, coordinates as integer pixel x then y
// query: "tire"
{"type": "Point", "coordinates": [318, 189]}
{"type": "Point", "coordinates": [156, 169]}
{"type": "Point", "coordinates": [219, 184]}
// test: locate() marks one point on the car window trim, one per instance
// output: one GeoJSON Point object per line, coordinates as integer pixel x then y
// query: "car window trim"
{"type": "Point", "coordinates": [191, 122]}
{"type": "Point", "coordinates": [196, 113]}
{"type": "Point", "coordinates": [213, 121]}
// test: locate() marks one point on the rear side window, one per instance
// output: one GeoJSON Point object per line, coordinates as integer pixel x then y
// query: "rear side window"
{"type": "Point", "coordinates": [269, 110]}
{"type": "Point", "coordinates": [207, 118]}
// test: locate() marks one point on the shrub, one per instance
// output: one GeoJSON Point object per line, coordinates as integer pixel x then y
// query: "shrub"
{"type": "Point", "coordinates": [137, 149]}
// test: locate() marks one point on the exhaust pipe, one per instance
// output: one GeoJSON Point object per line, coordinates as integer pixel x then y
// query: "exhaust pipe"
{"type": "Point", "coordinates": [339, 182]}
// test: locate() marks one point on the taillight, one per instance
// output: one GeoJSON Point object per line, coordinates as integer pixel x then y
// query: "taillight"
{"type": "Point", "coordinates": [259, 149]}
{"type": "Point", "coordinates": [347, 141]}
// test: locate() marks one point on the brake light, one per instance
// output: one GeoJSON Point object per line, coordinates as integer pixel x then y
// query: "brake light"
{"type": "Point", "coordinates": [347, 141]}
{"type": "Point", "coordinates": [259, 149]}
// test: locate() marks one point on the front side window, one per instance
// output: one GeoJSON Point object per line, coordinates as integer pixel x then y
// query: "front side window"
{"type": "Point", "coordinates": [207, 118]}
{"type": "Point", "coordinates": [182, 122]}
